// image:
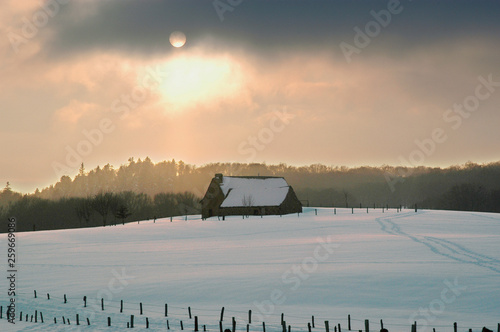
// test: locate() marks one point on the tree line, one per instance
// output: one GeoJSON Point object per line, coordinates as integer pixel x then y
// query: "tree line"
{"type": "Point", "coordinates": [103, 209]}
{"type": "Point", "coordinates": [147, 189]}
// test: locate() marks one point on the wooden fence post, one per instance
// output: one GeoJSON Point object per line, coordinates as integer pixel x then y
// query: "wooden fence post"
{"type": "Point", "coordinates": [140, 308]}
{"type": "Point", "coordinates": [313, 321]}
{"type": "Point", "coordinates": [109, 321]}
{"type": "Point", "coordinates": [339, 328]}
{"type": "Point", "coordinates": [263, 327]}
{"type": "Point", "coordinates": [35, 293]}
{"type": "Point", "coordinates": [222, 314]}
{"type": "Point", "coordinates": [166, 310]}
{"type": "Point", "coordinates": [367, 325]}
{"type": "Point", "coordinates": [131, 321]}
{"type": "Point", "coordinates": [220, 326]}
{"type": "Point", "coordinates": [36, 316]}
{"type": "Point", "coordinates": [454, 324]}
{"type": "Point", "coordinates": [41, 316]}
{"type": "Point", "coordinates": [381, 324]}
{"type": "Point", "coordinates": [309, 327]}
{"type": "Point", "coordinates": [196, 323]}
{"type": "Point", "coordinates": [168, 325]}
{"type": "Point", "coordinates": [121, 306]}
{"type": "Point", "coordinates": [102, 304]}
{"type": "Point", "coordinates": [249, 316]}
{"type": "Point", "coordinates": [48, 296]}
{"type": "Point", "coordinates": [65, 300]}
{"type": "Point", "coordinates": [327, 326]}
{"type": "Point", "coordinates": [234, 325]}
{"type": "Point", "coordinates": [84, 301]}
{"type": "Point", "coordinates": [182, 326]}
{"type": "Point", "coordinates": [77, 320]}
{"type": "Point", "coordinates": [282, 318]}
{"type": "Point", "coordinates": [88, 321]}
{"type": "Point", "coordinates": [189, 311]}
{"type": "Point", "coordinates": [147, 323]}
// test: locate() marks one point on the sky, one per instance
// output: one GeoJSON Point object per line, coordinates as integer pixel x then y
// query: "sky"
{"type": "Point", "coordinates": [298, 82]}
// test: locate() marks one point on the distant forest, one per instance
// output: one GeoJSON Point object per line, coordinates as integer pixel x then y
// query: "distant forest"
{"type": "Point", "coordinates": [142, 190]}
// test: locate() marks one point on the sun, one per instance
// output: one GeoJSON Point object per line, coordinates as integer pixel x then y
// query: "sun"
{"type": "Point", "coordinates": [177, 39]}
{"type": "Point", "coordinates": [191, 79]}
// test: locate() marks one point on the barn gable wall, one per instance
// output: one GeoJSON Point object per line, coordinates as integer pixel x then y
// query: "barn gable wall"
{"type": "Point", "coordinates": [210, 204]}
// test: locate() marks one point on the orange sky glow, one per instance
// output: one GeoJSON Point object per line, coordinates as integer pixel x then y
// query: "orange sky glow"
{"type": "Point", "coordinates": [81, 88]}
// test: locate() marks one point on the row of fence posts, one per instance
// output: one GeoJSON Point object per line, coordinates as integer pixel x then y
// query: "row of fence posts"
{"type": "Point", "coordinates": [386, 208]}
{"type": "Point", "coordinates": [130, 324]}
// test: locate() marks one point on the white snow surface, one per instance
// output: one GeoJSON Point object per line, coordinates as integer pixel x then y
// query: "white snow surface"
{"type": "Point", "coordinates": [433, 267]}
{"type": "Point", "coordinates": [253, 191]}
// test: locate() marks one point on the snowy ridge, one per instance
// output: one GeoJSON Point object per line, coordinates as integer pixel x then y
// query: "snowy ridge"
{"type": "Point", "coordinates": [433, 267]}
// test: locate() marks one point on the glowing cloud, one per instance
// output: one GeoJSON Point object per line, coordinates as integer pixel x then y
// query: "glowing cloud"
{"type": "Point", "coordinates": [191, 79]}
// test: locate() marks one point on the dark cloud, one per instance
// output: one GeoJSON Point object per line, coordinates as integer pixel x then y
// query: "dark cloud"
{"type": "Point", "coordinates": [142, 27]}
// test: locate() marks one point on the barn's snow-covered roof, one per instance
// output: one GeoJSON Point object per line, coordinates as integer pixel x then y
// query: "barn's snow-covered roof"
{"type": "Point", "coordinates": [258, 191]}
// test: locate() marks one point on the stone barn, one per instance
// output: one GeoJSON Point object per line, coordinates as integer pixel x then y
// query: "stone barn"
{"type": "Point", "coordinates": [249, 195]}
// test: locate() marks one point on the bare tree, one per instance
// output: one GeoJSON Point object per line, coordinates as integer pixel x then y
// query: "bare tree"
{"type": "Point", "coordinates": [346, 198]}
{"type": "Point", "coordinates": [84, 210]}
{"type": "Point", "coordinates": [102, 203]}
{"type": "Point", "coordinates": [247, 200]}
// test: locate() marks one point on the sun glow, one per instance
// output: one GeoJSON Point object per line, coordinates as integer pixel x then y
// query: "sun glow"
{"type": "Point", "coordinates": [177, 39]}
{"type": "Point", "coordinates": [189, 80]}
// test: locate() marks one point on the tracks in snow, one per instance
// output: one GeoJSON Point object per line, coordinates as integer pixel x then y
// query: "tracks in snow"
{"type": "Point", "coordinates": [440, 246]}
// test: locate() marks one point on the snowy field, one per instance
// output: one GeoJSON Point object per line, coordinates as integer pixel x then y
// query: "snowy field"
{"type": "Point", "coordinates": [433, 267]}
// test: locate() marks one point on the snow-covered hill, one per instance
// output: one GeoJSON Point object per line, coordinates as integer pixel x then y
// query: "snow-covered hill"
{"type": "Point", "coordinates": [433, 267]}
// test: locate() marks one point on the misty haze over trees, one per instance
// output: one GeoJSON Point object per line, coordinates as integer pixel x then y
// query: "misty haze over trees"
{"type": "Point", "coordinates": [144, 190]}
